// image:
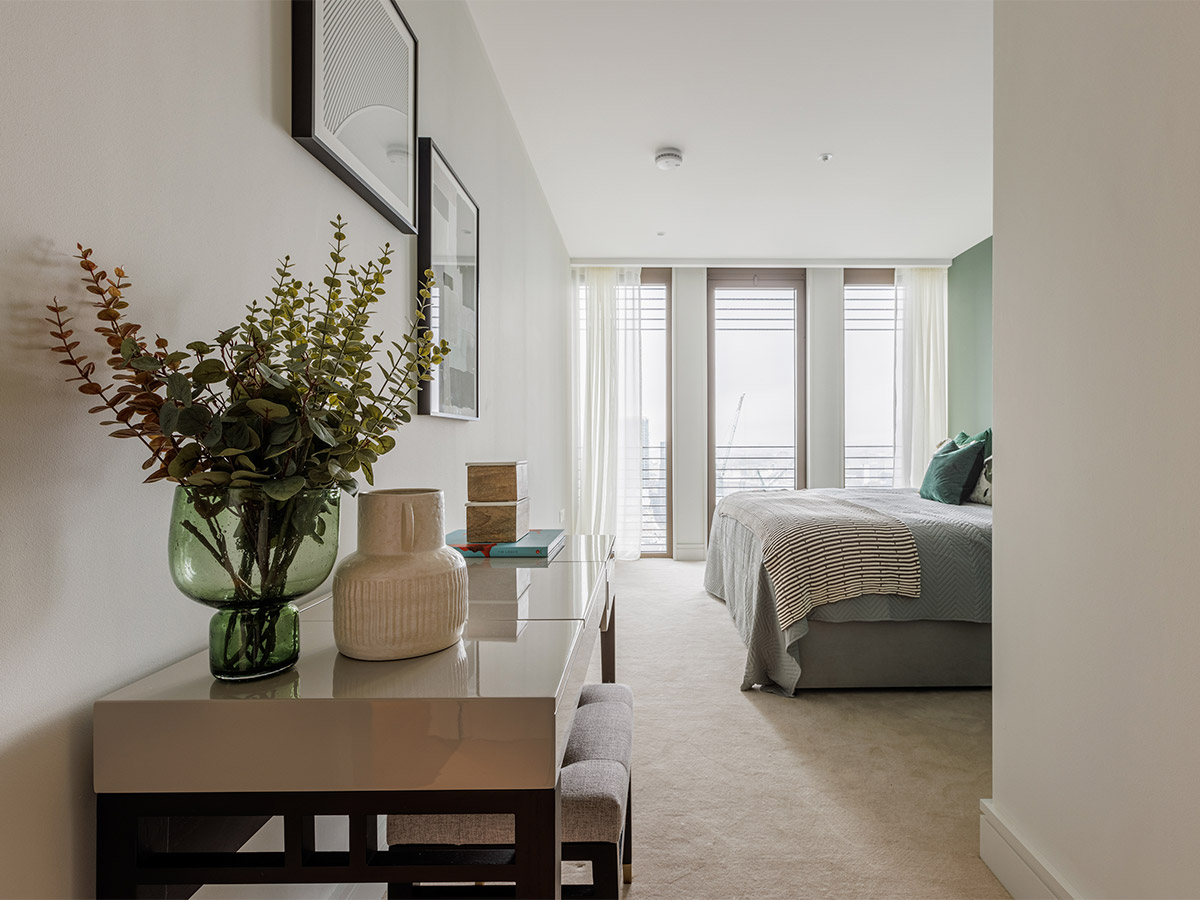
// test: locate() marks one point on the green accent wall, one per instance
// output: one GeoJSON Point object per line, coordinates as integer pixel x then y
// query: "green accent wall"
{"type": "Point", "coordinates": [969, 339]}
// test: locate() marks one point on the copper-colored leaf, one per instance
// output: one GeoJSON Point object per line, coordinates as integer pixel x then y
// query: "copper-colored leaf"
{"type": "Point", "coordinates": [108, 315]}
{"type": "Point", "coordinates": [123, 433]}
{"type": "Point", "coordinates": [156, 476]}
{"type": "Point", "coordinates": [90, 388]}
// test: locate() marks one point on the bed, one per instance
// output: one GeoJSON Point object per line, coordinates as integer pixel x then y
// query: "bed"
{"type": "Point", "coordinates": [940, 637]}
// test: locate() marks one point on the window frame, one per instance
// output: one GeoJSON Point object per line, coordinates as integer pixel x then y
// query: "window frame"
{"type": "Point", "coordinates": [726, 278]}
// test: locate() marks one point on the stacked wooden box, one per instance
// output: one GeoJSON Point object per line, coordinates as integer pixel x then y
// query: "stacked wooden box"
{"type": "Point", "coordinates": [497, 502]}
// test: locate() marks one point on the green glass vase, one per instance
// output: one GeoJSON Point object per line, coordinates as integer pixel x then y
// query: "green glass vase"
{"type": "Point", "coordinates": [248, 556]}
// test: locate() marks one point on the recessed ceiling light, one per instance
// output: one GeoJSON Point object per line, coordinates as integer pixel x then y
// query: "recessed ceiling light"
{"type": "Point", "coordinates": [668, 158]}
{"type": "Point", "coordinates": [825, 157]}
{"type": "Point", "coordinates": [660, 233]}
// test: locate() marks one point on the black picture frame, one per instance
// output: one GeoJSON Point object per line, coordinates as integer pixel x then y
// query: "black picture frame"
{"type": "Point", "coordinates": [356, 110]}
{"type": "Point", "coordinates": [448, 243]}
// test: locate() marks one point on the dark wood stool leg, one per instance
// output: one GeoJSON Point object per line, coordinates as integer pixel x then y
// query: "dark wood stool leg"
{"type": "Point", "coordinates": [627, 850]}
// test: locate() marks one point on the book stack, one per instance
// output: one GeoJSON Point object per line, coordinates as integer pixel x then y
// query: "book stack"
{"type": "Point", "coordinates": [537, 544]}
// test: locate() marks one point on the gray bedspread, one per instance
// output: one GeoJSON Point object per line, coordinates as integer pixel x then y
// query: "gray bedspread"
{"type": "Point", "coordinates": [955, 547]}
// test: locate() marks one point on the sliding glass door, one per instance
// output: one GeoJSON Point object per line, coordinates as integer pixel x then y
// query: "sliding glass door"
{"type": "Point", "coordinates": [655, 326]}
{"type": "Point", "coordinates": [755, 380]}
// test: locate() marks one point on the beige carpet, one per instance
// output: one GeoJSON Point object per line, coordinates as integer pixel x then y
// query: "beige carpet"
{"type": "Point", "coordinates": [832, 794]}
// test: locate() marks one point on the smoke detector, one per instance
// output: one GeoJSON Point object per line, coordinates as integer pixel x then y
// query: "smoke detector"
{"type": "Point", "coordinates": [668, 158]}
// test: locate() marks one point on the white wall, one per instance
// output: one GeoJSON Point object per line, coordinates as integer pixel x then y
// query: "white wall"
{"type": "Point", "coordinates": [157, 133]}
{"type": "Point", "coordinates": [826, 376]}
{"type": "Point", "coordinates": [1097, 375]}
{"type": "Point", "coordinates": [689, 412]}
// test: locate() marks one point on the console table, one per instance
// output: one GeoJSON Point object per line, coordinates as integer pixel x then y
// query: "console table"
{"type": "Point", "coordinates": [480, 727]}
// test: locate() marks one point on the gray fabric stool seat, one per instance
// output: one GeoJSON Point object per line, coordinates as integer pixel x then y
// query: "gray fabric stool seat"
{"type": "Point", "coordinates": [595, 795]}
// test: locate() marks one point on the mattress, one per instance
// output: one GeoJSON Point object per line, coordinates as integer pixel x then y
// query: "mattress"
{"type": "Point", "coordinates": [955, 547]}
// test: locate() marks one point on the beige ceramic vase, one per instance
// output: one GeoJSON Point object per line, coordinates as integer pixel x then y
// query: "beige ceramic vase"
{"type": "Point", "coordinates": [403, 593]}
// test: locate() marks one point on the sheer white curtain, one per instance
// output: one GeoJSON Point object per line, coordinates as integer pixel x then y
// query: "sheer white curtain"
{"type": "Point", "coordinates": [607, 420]}
{"type": "Point", "coordinates": [921, 404]}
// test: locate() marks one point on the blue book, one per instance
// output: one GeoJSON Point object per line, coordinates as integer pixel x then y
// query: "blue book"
{"type": "Point", "coordinates": [543, 542]}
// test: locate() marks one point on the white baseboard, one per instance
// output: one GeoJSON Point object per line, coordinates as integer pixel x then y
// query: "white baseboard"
{"type": "Point", "coordinates": [1020, 869]}
{"type": "Point", "coordinates": [689, 552]}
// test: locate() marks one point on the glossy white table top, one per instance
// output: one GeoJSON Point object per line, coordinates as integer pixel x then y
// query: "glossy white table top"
{"type": "Point", "coordinates": [491, 712]}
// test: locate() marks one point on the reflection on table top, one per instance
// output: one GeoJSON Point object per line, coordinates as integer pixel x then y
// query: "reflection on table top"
{"type": "Point", "coordinates": [585, 548]}
{"type": "Point", "coordinates": [530, 665]}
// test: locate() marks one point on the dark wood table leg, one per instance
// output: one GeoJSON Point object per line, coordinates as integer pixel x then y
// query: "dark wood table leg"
{"type": "Point", "coordinates": [539, 845]}
{"type": "Point", "coordinates": [116, 848]}
{"type": "Point", "coordinates": [608, 646]}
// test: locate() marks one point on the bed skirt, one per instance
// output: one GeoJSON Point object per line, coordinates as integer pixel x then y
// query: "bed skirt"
{"type": "Point", "coordinates": [895, 655]}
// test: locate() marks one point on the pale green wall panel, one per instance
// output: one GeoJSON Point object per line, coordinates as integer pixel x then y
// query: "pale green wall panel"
{"type": "Point", "coordinates": [969, 327]}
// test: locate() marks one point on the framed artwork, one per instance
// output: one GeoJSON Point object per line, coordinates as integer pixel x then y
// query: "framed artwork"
{"type": "Point", "coordinates": [354, 99]}
{"type": "Point", "coordinates": [448, 243]}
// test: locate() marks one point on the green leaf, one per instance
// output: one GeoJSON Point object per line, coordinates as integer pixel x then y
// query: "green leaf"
{"type": "Point", "coordinates": [267, 409]}
{"type": "Point", "coordinates": [168, 416]}
{"type": "Point", "coordinates": [246, 474]}
{"type": "Point", "coordinates": [128, 348]}
{"type": "Point", "coordinates": [212, 437]}
{"type": "Point", "coordinates": [145, 364]}
{"type": "Point", "coordinates": [272, 376]}
{"type": "Point", "coordinates": [209, 479]}
{"type": "Point", "coordinates": [282, 433]}
{"type": "Point", "coordinates": [209, 371]}
{"type": "Point", "coordinates": [184, 462]}
{"type": "Point", "coordinates": [321, 431]}
{"type": "Point", "coordinates": [193, 421]}
{"type": "Point", "coordinates": [179, 387]}
{"type": "Point", "coordinates": [284, 489]}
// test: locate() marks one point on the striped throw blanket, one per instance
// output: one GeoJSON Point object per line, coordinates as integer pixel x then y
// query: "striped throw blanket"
{"type": "Point", "coordinates": [819, 549]}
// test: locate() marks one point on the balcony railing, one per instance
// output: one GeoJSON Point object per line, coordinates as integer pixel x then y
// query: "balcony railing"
{"type": "Point", "coordinates": [754, 467]}
{"type": "Point", "coordinates": [870, 465]}
{"type": "Point", "coordinates": [750, 467]}
{"type": "Point", "coordinates": [654, 498]}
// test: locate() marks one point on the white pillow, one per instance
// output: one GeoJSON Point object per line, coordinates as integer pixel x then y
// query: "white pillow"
{"type": "Point", "coordinates": [983, 487]}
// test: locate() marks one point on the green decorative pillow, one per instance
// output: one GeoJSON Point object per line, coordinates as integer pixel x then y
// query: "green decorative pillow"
{"type": "Point", "coordinates": [952, 473]}
{"type": "Point", "coordinates": [984, 437]}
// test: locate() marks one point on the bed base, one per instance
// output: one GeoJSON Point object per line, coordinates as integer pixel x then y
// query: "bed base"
{"type": "Point", "coordinates": [925, 653]}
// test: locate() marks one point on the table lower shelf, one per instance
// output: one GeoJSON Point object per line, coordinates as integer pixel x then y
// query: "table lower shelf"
{"type": "Point", "coordinates": [134, 840]}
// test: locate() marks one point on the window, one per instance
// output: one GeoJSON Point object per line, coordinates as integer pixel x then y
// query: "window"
{"type": "Point", "coordinates": [656, 411]}
{"type": "Point", "coordinates": [756, 380]}
{"type": "Point", "coordinates": [870, 378]}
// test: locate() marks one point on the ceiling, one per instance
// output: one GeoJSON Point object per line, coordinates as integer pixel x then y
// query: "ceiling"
{"type": "Point", "coordinates": [753, 92]}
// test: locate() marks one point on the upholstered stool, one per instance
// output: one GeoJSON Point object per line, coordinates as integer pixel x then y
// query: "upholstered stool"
{"type": "Point", "coordinates": [595, 799]}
